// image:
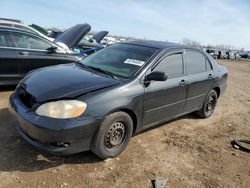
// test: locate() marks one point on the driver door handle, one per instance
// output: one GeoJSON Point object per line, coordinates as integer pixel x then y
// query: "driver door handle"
{"type": "Point", "coordinates": [24, 53]}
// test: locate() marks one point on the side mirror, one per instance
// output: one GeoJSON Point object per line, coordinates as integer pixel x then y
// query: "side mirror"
{"type": "Point", "coordinates": [157, 76]}
{"type": "Point", "coordinates": [52, 49]}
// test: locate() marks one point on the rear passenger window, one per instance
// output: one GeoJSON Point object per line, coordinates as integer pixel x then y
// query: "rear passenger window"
{"type": "Point", "coordinates": [23, 40]}
{"type": "Point", "coordinates": [195, 62]}
{"type": "Point", "coordinates": [5, 40]}
{"type": "Point", "coordinates": [172, 65]}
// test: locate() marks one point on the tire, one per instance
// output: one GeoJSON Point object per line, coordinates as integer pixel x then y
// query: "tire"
{"type": "Point", "coordinates": [113, 135]}
{"type": "Point", "coordinates": [208, 105]}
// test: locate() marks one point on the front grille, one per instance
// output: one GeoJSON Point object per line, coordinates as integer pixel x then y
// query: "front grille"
{"type": "Point", "coordinates": [27, 99]}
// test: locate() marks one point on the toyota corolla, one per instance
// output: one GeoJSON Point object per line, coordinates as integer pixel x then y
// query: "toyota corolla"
{"type": "Point", "coordinates": [99, 102]}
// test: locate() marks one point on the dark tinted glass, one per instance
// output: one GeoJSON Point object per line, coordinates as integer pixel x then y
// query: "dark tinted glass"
{"type": "Point", "coordinates": [5, 39]}
{"type": "Point", "coordinates": [122, 60]}
{"type": "Point", "coordinates": [195, 62]}
{"type": "Point", "coordinates": [172, 65]}
{"type": "Point", "coordinates": [23, 40]}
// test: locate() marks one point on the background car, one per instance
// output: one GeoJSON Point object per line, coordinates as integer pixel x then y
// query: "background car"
{"type": "Point", "coordinates": [22, 51]}
{"type": "Point", "coordinates": [67, 39]}
{"type": "Point", "coordinates": [19, 25]}
{"type": "Point", "coordinates": [91, 45]}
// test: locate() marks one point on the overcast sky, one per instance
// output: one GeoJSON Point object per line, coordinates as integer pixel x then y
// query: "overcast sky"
{"type": "Point", "coordinates": [206, 21]}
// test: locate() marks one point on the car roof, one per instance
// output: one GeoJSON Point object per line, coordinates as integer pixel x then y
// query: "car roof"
{"type": "Point", "coordinates": [10, 22]}
{"type": "Point", "coordinates": [157, 44]}
{"type": "Point", "coordinates": [15, 29]}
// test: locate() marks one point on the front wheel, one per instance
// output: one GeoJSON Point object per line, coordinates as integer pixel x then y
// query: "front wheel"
{"type": "Point", "coordinates": [113, 135]}
{"type": "Point", "coordinates": [209, 105]}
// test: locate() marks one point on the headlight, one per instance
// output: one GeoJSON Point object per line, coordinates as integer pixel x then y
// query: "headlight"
{"type": "Point", "coordinates": [62, 109]}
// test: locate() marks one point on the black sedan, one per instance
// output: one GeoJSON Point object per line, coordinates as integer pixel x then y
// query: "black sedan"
{"type": "Point", "coordinates": [22, 51]}
{"type": "Point", "coordinates": [100, 101]}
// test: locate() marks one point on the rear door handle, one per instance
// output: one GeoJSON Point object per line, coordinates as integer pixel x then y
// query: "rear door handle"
{"type": "Point", "coordinates": [24, 53]}
{"type": "Point", "coordinates": [183, 82]}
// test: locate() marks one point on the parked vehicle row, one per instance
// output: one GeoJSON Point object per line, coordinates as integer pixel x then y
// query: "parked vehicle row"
{"type": "Point", "coordinates": [223, 54]}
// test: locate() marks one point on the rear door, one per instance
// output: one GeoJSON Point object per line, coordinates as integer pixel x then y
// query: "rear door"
{"type": "Point", "coordinates": [164, 100]}
{"type": "Point", "coordinates": [9, 62]}
{"type": "Point", "coordinates": [200, 77]}
{"type": "Point", "coordinates": [32, 50]}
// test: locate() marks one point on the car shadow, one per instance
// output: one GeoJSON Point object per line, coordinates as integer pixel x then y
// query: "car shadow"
{"type": "Point", "coordinates": [7, 88]}
{"type": "Point", "coordinates": [188, 116]}
{"type": "Point", "coordinates": [18, 155]}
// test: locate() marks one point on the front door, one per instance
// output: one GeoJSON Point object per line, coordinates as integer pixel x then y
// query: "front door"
{"type": "Point", "coordinates": [164, 100]}
{"type": "Point", "coordinates": [9, 63]}
{"type": "Point", "coordinates": [32, 50]}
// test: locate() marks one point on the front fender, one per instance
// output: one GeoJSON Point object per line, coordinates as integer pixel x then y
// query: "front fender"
{"type": "Point", "coordinates": [123, 97]}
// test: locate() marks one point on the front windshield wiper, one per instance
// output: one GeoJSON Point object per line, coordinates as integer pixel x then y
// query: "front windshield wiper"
{"type": "Point", "coordinates": [102, 71]}
{"type": "Point", "coordinates": [83, 65]}
{"type": "Point", "coordinates": [96, 69]}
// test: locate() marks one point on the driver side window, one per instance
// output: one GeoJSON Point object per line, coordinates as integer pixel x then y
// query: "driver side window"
{"type": "Point", "coordinates": [23, 40]}
{"type": "Point", "coordinates": [172, 65]}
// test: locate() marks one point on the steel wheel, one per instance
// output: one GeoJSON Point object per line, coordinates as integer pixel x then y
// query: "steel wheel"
{"type": "Point", "coordinates": [209, 105]}
{"type": "Point", "coordinates": [115, 135]}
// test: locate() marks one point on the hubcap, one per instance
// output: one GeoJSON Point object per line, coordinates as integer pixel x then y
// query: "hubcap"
{"type": "Point", "coordinates": [115, 135]}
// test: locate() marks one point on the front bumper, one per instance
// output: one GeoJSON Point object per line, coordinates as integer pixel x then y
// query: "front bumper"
{"type": "Point", "coordinates": [56, 136]}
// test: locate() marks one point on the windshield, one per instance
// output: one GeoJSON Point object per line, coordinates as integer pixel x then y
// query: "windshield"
{"type": "Point", "coordinates": [121, 60]}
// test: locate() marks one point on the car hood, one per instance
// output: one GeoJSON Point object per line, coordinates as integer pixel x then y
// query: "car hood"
{"type": "Point", "coordinates": [64, 81]}
{"type": "Point", "coordinates": [90, 45]}
{"type": "Point", "coordinates": [72, 36]}
{"type": "Point", "coordinates": [99, 36]}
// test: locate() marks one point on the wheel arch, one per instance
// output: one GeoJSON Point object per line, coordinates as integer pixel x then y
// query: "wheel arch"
{"type": "Point", "coordinates": [217, 89]}
{"type": "Point", "coordinates": [131, 113]}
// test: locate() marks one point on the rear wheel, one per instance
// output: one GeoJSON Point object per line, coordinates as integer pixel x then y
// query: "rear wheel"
{"type": "Point", "coordinates": [113, 135]}
{"type": "Point", "coordinates": [209, 105]}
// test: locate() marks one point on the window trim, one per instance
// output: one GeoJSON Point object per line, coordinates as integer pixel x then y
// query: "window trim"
{"type": "Point", "coordinates": [208, 62]}
{"type": "Point", "coordinates": [15, 48]}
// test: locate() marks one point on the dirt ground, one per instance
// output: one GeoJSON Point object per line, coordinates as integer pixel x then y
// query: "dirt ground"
{"type": "Point", "coordinates": [189, 151]}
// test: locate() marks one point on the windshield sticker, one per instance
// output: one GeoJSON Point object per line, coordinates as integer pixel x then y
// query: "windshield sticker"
{"type": "Point", "coordinates": [134, 62]}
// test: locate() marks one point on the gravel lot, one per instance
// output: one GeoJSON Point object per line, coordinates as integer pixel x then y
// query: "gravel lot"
{"type": "Point", "coordinates": [189, 151]}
